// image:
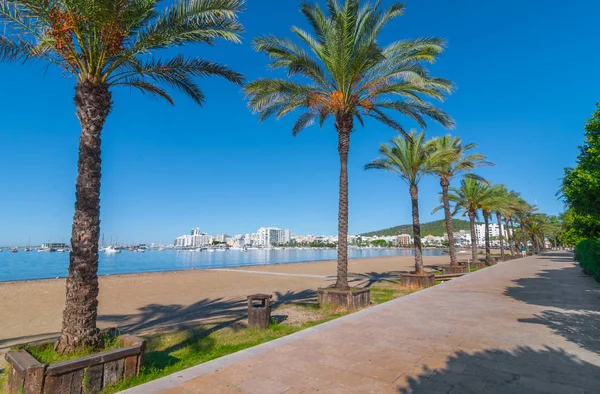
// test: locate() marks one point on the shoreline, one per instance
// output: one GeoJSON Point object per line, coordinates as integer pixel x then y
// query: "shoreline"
{"type": "Point", "coordinates": [233, 267]}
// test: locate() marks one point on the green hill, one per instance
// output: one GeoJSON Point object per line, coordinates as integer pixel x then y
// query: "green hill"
{"type": "Point", "coordinates": [437, 228]}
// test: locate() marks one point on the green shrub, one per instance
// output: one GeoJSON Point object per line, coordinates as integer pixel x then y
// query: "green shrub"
{"type": "Point", "coordinates": [587, 253]}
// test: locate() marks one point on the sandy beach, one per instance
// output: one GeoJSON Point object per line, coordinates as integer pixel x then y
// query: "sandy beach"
{"type": "Point", "coordinates": [152, 302]}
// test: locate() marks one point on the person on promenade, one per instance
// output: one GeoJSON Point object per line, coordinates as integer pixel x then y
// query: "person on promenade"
{"type": "Point", "coordinates": [523, 251]}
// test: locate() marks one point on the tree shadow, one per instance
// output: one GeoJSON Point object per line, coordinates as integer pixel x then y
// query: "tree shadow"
{"type": "Point", "coordinates": [559, 257]}
{"type": "Point", "coordinates": [522, 370]}
{"type": "Point", "coordinates": [581, 328]}
{"type": "Point", "coordinates": [565, 288]}
{"type": "Point", "coordinates": [194, 323]}
{"type": "Point", "coordinates": [368, 279]}
{"type": "Point", "coordinates": [161, 318]}
{"type": "Point", "coordinates": [156, 317]}
{"type": "Point", "coordinates": [8, 343]}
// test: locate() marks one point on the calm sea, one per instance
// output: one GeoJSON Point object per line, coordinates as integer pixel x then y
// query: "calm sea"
{"type": "Point", "coordinates": [35, 265]}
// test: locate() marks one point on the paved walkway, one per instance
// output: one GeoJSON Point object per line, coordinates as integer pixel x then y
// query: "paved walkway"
{"type": "Point", "coordinates": [526, 326]}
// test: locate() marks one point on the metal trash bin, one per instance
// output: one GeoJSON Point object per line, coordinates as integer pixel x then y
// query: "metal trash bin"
{"type": "Point", "coordinates": [259, 310]}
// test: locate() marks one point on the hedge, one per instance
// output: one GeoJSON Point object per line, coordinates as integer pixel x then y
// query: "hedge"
{"type": "Point", "coordinates": [587, 253]}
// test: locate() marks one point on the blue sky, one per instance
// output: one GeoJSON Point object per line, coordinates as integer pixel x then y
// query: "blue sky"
{"type": "Point", "coordinates": [527, 80]}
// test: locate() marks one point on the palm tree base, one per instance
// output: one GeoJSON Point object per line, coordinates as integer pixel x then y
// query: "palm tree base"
{"type": "Point", "coordinates": [417, 281]}
{"type": "Point", "coordinates": [453, 269]}
{"type": "Point", "coordinates": [354, 298]}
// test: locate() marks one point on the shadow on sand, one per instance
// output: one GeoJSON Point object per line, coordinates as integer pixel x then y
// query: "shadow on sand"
{"type": "Point", "coordinates": [160, 318]}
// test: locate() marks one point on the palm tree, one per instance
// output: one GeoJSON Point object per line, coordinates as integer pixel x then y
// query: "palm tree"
{"type": "Point", "coordinates": [345, 74]}
{"type": "Point", "coordinates": [410, 159]}
{"type": "Point", "coordinates": [104, 44]}
{"type": "Point", "coordinates": [536, 225]}
{"type": "Point", "coordinates": [466, 199]}
{"type": "Point", "coordinates": [512, 200]}
{"type": "Point", "coordinates": [524, 210]}
{"type": "Point", "coordinates": [501, 208]}
{"type": "Point", "coordinates": [489, 200]}
{"type": "Point", "coordinates": [453, 159]}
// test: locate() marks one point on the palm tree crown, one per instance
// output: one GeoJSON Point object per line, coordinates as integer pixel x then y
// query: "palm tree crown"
{"type": "Point", "coordinates": [346, 73]}
{"type": "Point", "coordinates": [409, 158]}
{"type": "Point", "coordinates": [111, 41]}
{"type": "Point", "coordinates": [458, 160]}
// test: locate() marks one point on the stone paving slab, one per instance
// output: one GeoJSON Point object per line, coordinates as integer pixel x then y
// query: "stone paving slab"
{"type": "Point", "coordinates": [525, 326]}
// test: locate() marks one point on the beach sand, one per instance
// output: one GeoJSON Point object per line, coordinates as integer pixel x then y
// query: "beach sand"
{"type": "Point", "coordinates": [154, 302]}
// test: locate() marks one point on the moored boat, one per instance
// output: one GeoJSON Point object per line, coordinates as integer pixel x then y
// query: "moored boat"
{"type": "Point", "coordinates": [111, 250]}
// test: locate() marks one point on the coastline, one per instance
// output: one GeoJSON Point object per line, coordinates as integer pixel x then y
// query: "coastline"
{"type": "Point", "coordinates": [240, 266]}
{"type": "Point", "coordinates": [154, 302]}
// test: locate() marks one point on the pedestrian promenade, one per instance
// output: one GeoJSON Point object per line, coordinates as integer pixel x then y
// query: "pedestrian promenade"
{"type": "Point", "coordinates": [526, 326]}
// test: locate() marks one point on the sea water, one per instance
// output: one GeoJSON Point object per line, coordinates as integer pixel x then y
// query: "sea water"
{"type": "Point", "coordinates": [35, 265]}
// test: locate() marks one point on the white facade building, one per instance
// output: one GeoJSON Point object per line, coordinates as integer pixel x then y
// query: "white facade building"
{"type": "Point", "coordinates": [272, 236]}
{"type": "Point", "coordinates": [184, 241]}
{"type": "Point", "coordinates": [494, 231]}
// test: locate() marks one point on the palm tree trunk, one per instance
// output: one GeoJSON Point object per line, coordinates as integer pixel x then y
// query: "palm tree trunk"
{"type": "Point", "coordinates": [93, 104]}
{"type": "Point", "coordinates": [512, 226]}
{"type": "Point", "coordinates": [511, 239]}
{"type": "Point", "coordinates": [449, 225]}
{"type": "Point", "coordinates": [499, 219]}
{"type": "Point", "coordinates": [473, 238]}
{"type": "Point", "coordinates": [344, 127]}
{"type": "Point", "coordinates": [534, 244]}
{"type": "Point", "coordinates": [488, 254]}
{"type": "Point", "coordinates": [414, 199]}
{"type": "Point", "coordinates": [543, 242]}
{"type": "Point", "coordinates": [524, 234]}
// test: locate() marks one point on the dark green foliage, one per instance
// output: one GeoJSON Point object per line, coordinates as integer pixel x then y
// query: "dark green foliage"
{"type": "Point", "coordinates": [581, 185]}
{"type": "Point", "coordinates": [587, 253]}
{"type": "Point", "coordinates": [437, 228]}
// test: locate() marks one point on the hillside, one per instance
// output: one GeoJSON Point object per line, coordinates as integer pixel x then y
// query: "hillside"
{"type": "Point", "coordinates": [437, 228]}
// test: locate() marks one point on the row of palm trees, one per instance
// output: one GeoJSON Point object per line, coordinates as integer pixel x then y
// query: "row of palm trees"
{"type": "Point", "coordinates": [446, 158]}
{"type": "Point", "coordinates": [339, 70]}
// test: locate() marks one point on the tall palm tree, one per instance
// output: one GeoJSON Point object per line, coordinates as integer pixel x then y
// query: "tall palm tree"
{"type": "Point", "coordinates": [524, 210]}
{"type": "Point", "coordinates": [453, 159]}
{"type": "Point", "coordinates": [502, 208]}
{"type": "Point", "coordinates": [466, 199]}
{"type": "Point", "coordinates": [410, 159]}
{"type": "Point", "coordinates": [345, 74]}
{"type": "Point", "coordinates": [512, 200]}
{"type": "Point", "coordinates": [536, 226]}
{"type": "Point", "coordinates": [104, 44]}
{"type": "Point", "coordinates": [489, 200]}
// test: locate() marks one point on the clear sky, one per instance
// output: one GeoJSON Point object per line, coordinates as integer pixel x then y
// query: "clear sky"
{"type": "Point", "coordinates": [527, 77]}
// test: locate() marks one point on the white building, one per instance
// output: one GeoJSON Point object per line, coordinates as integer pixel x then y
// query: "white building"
{"type": "Point", "coordinates": [184, 241]}
{"type": "Point", "coordinates": [200, 240]}
{"type": "Point", "coordinates": [494, 231]}
{"type": "Point", "coordinates": [272, 236]}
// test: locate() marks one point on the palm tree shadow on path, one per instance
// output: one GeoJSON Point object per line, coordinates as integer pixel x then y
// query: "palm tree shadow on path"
{"type": "Point", "coordinates": [572, 297]}
{"type": "Point", "coordinates": [494, 371]}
